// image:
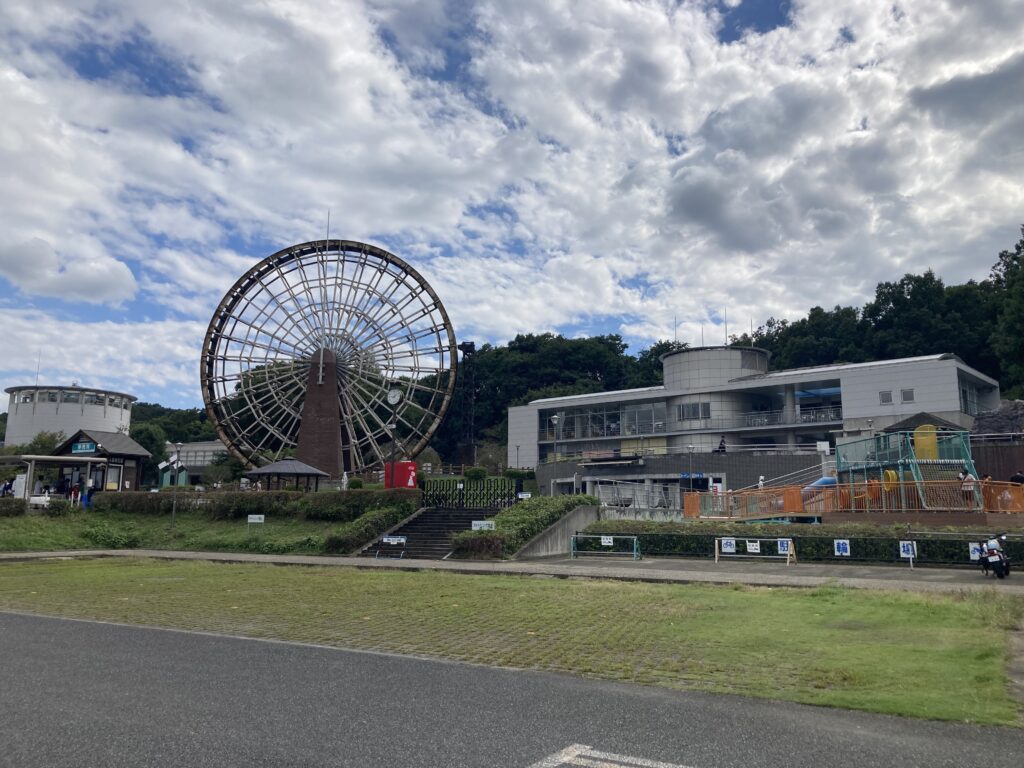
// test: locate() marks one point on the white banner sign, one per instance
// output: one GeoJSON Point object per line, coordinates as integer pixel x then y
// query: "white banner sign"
{"type": "Point", "coordinates": [483, 525]}
{"type": "Point", "coordinates": [255, 518]}
{"type": "Point", "coordinates": [754, 547]}
{"type": "Point", "coordinates": [524, 495]}
{"type": "Point", "coordinates": [393, 539]}
{"type": "Point", "coordinates": [607, 541]}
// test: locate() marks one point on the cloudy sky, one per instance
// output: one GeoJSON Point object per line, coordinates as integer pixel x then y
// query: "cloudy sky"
{"type": "Point", "coordinates": [601, 166]}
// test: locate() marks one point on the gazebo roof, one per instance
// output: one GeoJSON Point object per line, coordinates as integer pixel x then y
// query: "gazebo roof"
{"type": "Point", "coordinates": [288, 467]}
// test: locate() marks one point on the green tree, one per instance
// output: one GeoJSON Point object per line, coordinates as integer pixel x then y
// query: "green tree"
{"type": "Point", "coordinates": [648, 371]}
{"type": "Point", "coordinates": [1008, 338]}
{"type": "Point", "coordinates": [153, 438]}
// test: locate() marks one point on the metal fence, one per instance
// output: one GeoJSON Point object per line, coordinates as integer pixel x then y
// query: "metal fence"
{"type": "Point", "coordinates": [457, 493]}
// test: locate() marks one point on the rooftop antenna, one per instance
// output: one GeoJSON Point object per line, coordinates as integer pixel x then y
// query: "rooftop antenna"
{"type": "Point", "coordinates": [727, 326]}
{"type": "Point", "coordinates": [751, 331]}
{"type": "Point", "coordinates": [675, 328]}
{"type": "Point", "coordinates": [39, 360]}
{"type": "Point", "coordinates": [702, 334]}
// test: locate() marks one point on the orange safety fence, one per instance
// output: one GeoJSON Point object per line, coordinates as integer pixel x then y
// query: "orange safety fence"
{"type": "Point", "coordinates": [871, 496]}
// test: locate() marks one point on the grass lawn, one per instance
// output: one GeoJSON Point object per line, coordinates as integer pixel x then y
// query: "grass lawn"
{"type": "Point", "coordinates": [933, 656]}
{"type": "Point", "coordinates": [193, 531]}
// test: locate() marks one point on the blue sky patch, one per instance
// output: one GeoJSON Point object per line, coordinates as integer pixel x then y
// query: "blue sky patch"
{"type": "Point", "coordinates": [136, 63]}
{"type": "Point", "coordinates": [757, 16]}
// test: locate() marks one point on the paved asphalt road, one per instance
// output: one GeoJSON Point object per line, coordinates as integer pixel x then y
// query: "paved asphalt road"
{"type": "Point", "coordinates": [77, 693]}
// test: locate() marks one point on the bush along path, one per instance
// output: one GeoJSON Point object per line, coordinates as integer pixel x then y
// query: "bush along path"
{"type": "Point", "coordinates": [813, 543]}
{"type": "Point", "coordinates": [515, 526]}
{"type": "Point", "coordinates": [295, 522]}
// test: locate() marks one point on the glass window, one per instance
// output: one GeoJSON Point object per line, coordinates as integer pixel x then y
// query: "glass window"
{"type": "Point", "coordinates": [693, 411]}
{"type": "Point", "coordinates": [51, 397]}
{"type": "Point", "coordinates": [25, 397]}
{"type": "Point", "coordinates": [907, 395]}
{"type": "Point", "coordinates": [70, 397]}
{"type": "Point", "coordinates": [885, 398]}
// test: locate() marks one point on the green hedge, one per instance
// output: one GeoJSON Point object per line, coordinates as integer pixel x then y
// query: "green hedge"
{"type": "Point", "coordinates": [368, 527]}
{"type": "Point", "coordinates": [233, 505]}
{"type": "Point", "coordinates": [12, 507]}
{"type": "Point", "coordinates": [813, 543]}
{"type": "Point", "coordinates": [142, 503]}
{"type": "Point", "coordinates": [515, 526]}
{"type": "Point", "coordinates": [350, 505]}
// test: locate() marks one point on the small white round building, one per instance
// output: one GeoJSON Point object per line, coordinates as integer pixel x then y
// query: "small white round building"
{"type": "Point", "coordinates": [35, 409]}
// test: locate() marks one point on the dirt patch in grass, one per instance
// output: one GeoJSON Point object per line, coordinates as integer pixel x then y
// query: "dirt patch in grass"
{"type": "Point", "coordinates": [935, 656]}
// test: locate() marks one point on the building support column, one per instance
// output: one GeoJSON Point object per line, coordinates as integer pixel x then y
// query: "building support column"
{"type": "Point", "coordinates": [789, 413]}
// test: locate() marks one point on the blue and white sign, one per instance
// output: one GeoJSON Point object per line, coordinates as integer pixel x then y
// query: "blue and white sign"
{"type": "Point", "coordinates": [908, 549]}
{"type": "Point", "coordinates": [255, 519]}
{"type": "Point", "coordinates": [83, 447]}
{"type": "Point", "coordinates": [841, 547]}
{"type": "Point", "coordinates": [785, 546]}
{"type": "Point", "coordinates": [754, 547]}
{"type": "Point", "coordinates": [728, 546]}
{"type": "Point", "coordinates": [975, 549]}
{"type": "Point", "coordinates": [692, 475]}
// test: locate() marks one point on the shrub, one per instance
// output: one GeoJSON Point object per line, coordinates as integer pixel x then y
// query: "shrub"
{"type": "Point", "coordinates": [479, 545]}
{"type": "Point", "coordinates": [515, 526]}
{"type": "Point", "coordinates": [142, 503]}
{"type": "Point", "coordinates": [106, 536]}
{"type": "Point", "coordinates": [350, 505]}
{"type": "Point", "coordinates": [58, 508]}
{"type": "Point", "coordinates": [357, 533]}
{"type": "Point", "coordinates": [12, 507]}
{"type": "Point", "coordinates": [519, 474]}
{"type": "Point", "coordinates": [355, 484]}
{"type": "Point", "coordinates": [235, 505]}
{"type": "Point", "coordinates": [813, 542]}
{"type": "Point", "coordinates": [475, 474]}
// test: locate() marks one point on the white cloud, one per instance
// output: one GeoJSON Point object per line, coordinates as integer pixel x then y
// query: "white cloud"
{"type": "Point", "coordinates": [82, 272]}
{"type": "Point", "coordinates": [547, 165]}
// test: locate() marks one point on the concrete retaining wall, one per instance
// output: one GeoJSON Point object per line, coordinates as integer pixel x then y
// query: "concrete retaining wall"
{"type": "Point", "coordinates": [555, 540]}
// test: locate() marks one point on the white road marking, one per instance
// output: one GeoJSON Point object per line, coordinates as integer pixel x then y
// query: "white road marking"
{"type": "Point", "coordinates": [583, 755]}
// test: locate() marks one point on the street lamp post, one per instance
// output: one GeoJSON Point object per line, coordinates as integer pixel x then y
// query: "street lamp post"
{"type": "Point", "coordinates": [554, 449]}
{"type": "Point", "coordinates": [177, 477]}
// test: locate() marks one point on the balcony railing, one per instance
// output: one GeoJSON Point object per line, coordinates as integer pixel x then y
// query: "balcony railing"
{"type": "Point", "coordinates": [753, 419]}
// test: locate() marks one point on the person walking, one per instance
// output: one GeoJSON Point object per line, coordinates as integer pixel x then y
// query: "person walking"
{"type": "Point", "coordinates": [967, 483]}
{"type": "Point", "coordinates": [1018, 477]}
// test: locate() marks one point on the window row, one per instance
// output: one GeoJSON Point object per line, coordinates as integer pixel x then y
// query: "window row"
{"type": "Point", "coordinates": [64, 396]}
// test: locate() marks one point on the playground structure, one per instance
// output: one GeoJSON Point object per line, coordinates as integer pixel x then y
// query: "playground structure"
{"type": "Point", "coordinates": [891, 477]}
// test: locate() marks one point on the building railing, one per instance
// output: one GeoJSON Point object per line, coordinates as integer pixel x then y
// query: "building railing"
{"type": "Point", "coordinates": [752, 419]}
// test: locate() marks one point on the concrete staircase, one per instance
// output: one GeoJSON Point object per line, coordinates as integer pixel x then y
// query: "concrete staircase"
{"type": "Point", "coordinates": [428, 536]}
